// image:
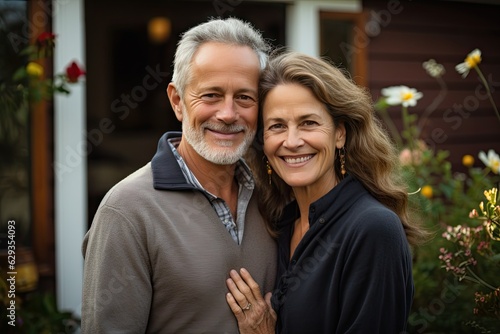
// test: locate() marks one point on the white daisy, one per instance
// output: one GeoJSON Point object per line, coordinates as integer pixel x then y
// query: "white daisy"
{"type": "Point", "coordinates": [472, 60]}
{"type": "Point", "coordinates": [404, 95]}
{"type": "Point", "coordinates": [492, 160]}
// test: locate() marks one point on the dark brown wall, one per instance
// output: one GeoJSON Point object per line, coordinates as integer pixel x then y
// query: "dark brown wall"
{"type": "Point", "coordinates": [404, 34]}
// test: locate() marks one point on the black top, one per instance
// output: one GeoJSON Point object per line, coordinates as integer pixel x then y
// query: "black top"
{"type": "Point", "coordinates": [351, 272]}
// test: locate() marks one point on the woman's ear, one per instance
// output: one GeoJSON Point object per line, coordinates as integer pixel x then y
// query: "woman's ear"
{"type": "Point", "coordinates": [175, 100]}
{"type": "Point", "coordinates": [340, 135]}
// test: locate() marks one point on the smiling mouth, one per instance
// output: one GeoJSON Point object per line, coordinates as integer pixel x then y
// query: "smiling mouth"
{"type": "Point", "coordinates": [298, 160]}
{"type": "Point", "coordinates": [221, 135]}
{"type": "Point", "coordinates": [225, 130]}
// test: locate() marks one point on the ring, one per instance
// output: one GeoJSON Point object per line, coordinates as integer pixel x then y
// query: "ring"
{"type": "Point", "coordinates": [246, 308]}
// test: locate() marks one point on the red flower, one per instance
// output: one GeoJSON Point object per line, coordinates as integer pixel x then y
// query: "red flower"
{"type": "Point", "coordinates": [73, 72]}
{"type": "Point", "coordinates": [46, 37]}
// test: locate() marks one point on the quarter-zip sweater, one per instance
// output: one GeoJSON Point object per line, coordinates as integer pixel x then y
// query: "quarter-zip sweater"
{"type": "Point", "coordinates": [351, 272]}
{"type": "Point", "coordinates": [157, 256]}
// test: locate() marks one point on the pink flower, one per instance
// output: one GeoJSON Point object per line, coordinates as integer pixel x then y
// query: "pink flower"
{"type": "Point", "coordinates": [405, 157]}
{"type": "Point", "coordinates": [473, 214]}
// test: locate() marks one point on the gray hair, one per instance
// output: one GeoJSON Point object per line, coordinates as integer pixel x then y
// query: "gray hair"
{"type": "Point", "coordinates": [229, 31]}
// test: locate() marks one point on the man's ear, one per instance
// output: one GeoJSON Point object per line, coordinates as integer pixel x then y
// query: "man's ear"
{"type": "Point", "coordinates": [175, 100]}
{"type": "Point", "coordinates": [340, 134]}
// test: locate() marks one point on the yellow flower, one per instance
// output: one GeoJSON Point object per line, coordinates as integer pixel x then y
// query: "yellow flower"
{"type": "Point", "coordinates": [427, 191]}
{"type": "Point", "coordinates": [468, 160]}
{"type": "Point", "coordinates": [473, 59]}
{"type": "Point", "coordinates": [34, 69]}
{"type": "Point", "coordinates": [491, 195]}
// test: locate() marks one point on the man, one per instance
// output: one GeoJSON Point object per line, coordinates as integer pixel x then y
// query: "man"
{"type": "Point", "coordinates": [165, 238]}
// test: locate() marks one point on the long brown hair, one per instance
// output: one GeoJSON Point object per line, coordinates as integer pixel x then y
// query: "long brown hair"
{"type": "Point", "coordinates": [371, 156]}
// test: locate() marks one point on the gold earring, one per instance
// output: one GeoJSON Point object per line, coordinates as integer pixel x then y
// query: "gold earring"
{"type": "Point", "coordinates": [342, 160]}
{"type": "Point", "coordinates": [269, 171]}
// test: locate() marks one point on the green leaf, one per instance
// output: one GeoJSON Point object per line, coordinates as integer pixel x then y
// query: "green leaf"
{"type": "Point", "coordinates": [49, 304]}
{"type": "Point", "coordinates": [62, 89]}
{"type": "Point", "coordinates": [20, 74]}
{"type": "Point", "coordinates": [30, 50]}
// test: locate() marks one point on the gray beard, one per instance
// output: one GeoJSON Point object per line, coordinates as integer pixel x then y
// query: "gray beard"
{"type": "Point", "coordinates": [217, 156]}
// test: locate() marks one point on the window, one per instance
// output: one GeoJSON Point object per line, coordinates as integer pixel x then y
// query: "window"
{"type": "Point", "coordinates": [344, 42]}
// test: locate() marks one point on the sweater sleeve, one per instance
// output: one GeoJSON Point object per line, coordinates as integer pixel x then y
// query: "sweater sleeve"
{"type": "Point", "coordinates": [377, 279]}
{"type": "Point", "coordinates": [117, 290]}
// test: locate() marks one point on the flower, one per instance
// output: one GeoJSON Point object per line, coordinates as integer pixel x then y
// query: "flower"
{"type": "Point", "coordinates": [73, 72]}
{"type": "Point", "coordinates": [45, 37]}
{"type": "Point", "coordinates": [491, 195]}
{"type": "Point", "coordinates": [492, 160]}
{"type": "Point", "coordinates": [473, 59]}
{"type": "Point", "coordinates": [44, 46]}
{"type": "Point", "coordinates": [433, 68]}
{"type": "Point", "coordinates": [446, 196]}
{"type": "Point", "coordinates": [401, 95]}
{"type": "Point", "coordinates": [405, 157]}
{"type": "Point", "coordinates": [427, 191]}
{"type": "Point", "coordinates": [413, 156]}
{"type": "Point", "coordinates": [34, 69]}
{"type": "Point", "coordinates": [29, 83]}
{"type": "Point", "coordinates": [490, 213]}
{"type": "Point", "coordinates": [468, 160]}
{"type": "Point", "coordinates": [487, 302]}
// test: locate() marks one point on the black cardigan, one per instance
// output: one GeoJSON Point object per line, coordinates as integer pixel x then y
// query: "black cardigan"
{"type": "Point", "coordinates": [351, 272]}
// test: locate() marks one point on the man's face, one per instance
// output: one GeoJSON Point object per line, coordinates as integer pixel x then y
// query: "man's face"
{"type": "Point", "coordinates": [220, 107]}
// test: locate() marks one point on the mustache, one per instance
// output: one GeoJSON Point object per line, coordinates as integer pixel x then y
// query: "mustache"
{"type": "Point", "coordinates": [224, 128]}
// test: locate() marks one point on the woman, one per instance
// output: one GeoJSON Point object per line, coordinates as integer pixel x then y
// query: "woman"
{"type": "Point", "coordinates": [330, 190]}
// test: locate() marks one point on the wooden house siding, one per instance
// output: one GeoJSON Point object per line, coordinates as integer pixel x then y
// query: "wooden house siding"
{"type": "Point", "coordinates": [411, 32]}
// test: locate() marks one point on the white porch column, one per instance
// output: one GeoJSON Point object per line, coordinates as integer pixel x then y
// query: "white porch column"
{"type": "Point", "coordinates": [303, 22]}
{"type": "Point", "coordinates": [70, 157]}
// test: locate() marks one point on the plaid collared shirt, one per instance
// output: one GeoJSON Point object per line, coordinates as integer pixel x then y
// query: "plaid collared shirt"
{"type": "Point", "coordinates": [245, 188]}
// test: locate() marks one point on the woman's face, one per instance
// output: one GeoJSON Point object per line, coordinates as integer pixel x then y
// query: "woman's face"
{"type": "Point", "coordinates": [300, 137]}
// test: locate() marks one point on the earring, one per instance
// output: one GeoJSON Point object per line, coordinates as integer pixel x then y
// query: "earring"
{"type": "Point", "coordinates": [269, 171]}
{"type": "Point", "coordinates": [342, 160]}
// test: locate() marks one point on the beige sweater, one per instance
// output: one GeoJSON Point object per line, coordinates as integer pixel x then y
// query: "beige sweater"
{"type": "Point", "coordinates": [156, 261]}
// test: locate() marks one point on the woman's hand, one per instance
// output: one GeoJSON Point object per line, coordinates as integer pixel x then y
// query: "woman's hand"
{"type": "Point", "coordinates": [253, 313]}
